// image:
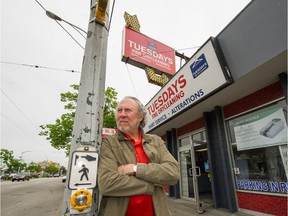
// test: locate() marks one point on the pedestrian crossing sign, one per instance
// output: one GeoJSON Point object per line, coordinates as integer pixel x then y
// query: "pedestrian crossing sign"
{"type": "Point", "coordinates": [83, 170]}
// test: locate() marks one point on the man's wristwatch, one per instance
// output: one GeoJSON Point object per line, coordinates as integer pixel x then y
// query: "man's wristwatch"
{"type": "Point", "coordinates": [135, 168]}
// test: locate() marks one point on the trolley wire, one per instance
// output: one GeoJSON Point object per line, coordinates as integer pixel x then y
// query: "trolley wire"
{"type": "Point", "coordinates": [38, 66]}
{"type": "Point", "coordinates": [62, 26]}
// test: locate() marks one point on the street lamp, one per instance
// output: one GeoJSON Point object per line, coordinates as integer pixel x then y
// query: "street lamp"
{"type": "Point", "coordinates": [57, 18]}
{"type": "Point", "coordinates": [21, 158]}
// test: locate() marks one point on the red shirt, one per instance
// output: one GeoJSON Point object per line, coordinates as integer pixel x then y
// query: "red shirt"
{"type": "Point", "coordinates": [140, 205]}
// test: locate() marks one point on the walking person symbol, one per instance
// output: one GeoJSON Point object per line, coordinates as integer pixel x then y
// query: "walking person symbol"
{"type": "Point", "coordinates": [85, 172]}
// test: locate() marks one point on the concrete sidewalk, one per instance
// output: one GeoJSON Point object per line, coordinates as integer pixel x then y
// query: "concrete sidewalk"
{"type": "Point", "coordinates": [180, 207]}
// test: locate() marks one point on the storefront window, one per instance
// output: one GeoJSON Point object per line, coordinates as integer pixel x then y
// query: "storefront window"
{"type": "Point", "coordinates": [201, 136]}
{"type": "Point", "coordinates": [184, 142]}
{"type": "Point", "coordinates": [259, 144]}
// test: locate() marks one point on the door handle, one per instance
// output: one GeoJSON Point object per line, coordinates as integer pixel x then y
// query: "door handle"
{"type": "Point", "coordinates": [197, 168]}
{"type": "Point", "coordinates": [190, 171]}
{"type": "Point", "coordinates": [197, 171]}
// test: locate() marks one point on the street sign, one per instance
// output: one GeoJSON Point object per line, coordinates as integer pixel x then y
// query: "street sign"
{"type": "Point", "coordinates": [83, 173]}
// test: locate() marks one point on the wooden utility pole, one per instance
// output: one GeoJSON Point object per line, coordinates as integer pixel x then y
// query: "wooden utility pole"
{"type": "Point", "coordinates": [81, 195]}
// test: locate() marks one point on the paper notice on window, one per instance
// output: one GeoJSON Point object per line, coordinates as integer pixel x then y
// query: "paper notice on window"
{"type": "Point", "coordinates": [261, 130]}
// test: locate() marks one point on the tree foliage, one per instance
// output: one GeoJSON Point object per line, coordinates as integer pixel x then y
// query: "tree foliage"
{"type": "Point", "coordinates": [52, 168]}
{"type": "Point", "coordinates": [60, 133]}
{"type": "Point", "coordinates": [8, 162]}
{"type": "Point", "coordinates": [34, 167]}
{"type": "Point", "coordinates": [109, 108]}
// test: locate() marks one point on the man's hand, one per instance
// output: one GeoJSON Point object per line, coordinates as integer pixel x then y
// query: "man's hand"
{"type": "Point", "coordinates": [126, 169]}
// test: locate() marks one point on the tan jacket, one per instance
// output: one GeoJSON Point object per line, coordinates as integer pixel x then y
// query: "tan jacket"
{"type": "Point", "coordinates": [116, 188]}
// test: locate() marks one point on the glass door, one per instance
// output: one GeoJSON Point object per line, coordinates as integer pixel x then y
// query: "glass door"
{"type": "Point", "coordinates": [187, 186]}
{"type": "Point", "coordinates": [195, 175]}
{"type": "Point", "coordinates": [201, 175]}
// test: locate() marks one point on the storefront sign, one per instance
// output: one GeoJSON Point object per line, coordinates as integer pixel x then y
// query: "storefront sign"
{"type": "Point", "coordinates": [261, 130]}
{"type": "Point", "coordinates": [262, 186]}
{"type": "Point", "coordinates": [141, 51]}
{"type": "Point", "coordinates": [199, 78]}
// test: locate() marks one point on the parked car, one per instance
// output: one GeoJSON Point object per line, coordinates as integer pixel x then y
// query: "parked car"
{"type": "Point", "coordinates": [64, 178]}
{"type": "Point", "coordinates": [12, 174]}
{"type": "Point", "coordinates": [5, 176]}
{"type": "Point", "coordinates": [20, 176]}
{"type": "Point", "coordinates": [57, 175]}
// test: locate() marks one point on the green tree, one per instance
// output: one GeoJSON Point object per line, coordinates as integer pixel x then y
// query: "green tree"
{"type": "Point", "coordinates": [110, 108]}
{"type": "Point", "coordinates": [52, 168]}
{"type": "Point", "coordinates": [63, 170]}
{"type": "Point", "coordinates": [34, 167]}
{"type": "Point", "coordinates": [22, 166]}
{"type": "Point", "coordinates": [60, 133]}
{"type": "Point", "coordinates": [6, 157]}
{"type": "Point", "coordinates": [8, 162]}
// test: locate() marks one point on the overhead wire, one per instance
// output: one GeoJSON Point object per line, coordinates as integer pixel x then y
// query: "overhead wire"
{"type": "Point", "coordinates": [15, 124]}
{"type": "Point", "coordinates": [19, 109]}
{"type": "Point", "coordinates": [69, 34]}
{"type": "Point", "coordinates": [38, 66]}
{"type": "Point", "coordinates": [63, 27]}
{"type": "Point", "coordinates": [195, 47]}
{"type": "Point", "coordinates": [110, 21]}
{"type": "Point", "coordinates": [77, 29]}
{"type": "Point", "coordinates": [131, 81]}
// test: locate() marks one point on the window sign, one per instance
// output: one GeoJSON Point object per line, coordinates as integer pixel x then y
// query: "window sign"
{"type": "Point", "coordinates": [259, 145]}
{"type": "Point", "coordinates": [261, 170]}
{"type": "Point", "coordinates": [261, 130]}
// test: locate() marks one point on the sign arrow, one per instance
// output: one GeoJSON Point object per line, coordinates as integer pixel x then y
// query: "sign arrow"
{"type": "Point", "coordinates": [89, 158]}
{"type": "Point", "coordinates": [78, 184]}
{"type": "Point", "coordinates": [83, 171]}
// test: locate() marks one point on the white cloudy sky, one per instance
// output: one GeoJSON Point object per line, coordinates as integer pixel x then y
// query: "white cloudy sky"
{"type": "Point", "coordinates": [30, 95]}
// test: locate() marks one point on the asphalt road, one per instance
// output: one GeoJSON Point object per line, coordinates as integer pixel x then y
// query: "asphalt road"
{"type": "Point", "coordinates": [44, 197]}
{"type": "Point", "coordinates": [34, 197]}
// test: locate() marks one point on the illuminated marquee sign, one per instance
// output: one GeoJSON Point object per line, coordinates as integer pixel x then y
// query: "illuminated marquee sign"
{"type": "Point", "coordinates": [202, 76]}
{"type": "Point", "coordinates": [141, 51]}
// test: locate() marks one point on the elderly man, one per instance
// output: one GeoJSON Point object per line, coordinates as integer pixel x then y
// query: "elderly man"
{"type": "Point", "coordinates": [134, 167]}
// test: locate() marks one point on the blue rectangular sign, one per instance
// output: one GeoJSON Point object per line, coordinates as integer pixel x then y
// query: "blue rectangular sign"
{"type": "Point", "coordinates": [199, 66]}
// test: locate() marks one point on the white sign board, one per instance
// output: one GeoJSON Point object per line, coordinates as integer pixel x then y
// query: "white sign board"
{"type": "Point", "coordinates": [108, 131]}
{"type": "Point", "coordinates": [261, 130]}
{"type": "Point", "coordinates": [83, 173]}
{"type": "Point", "coordinates": [198, 79]}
